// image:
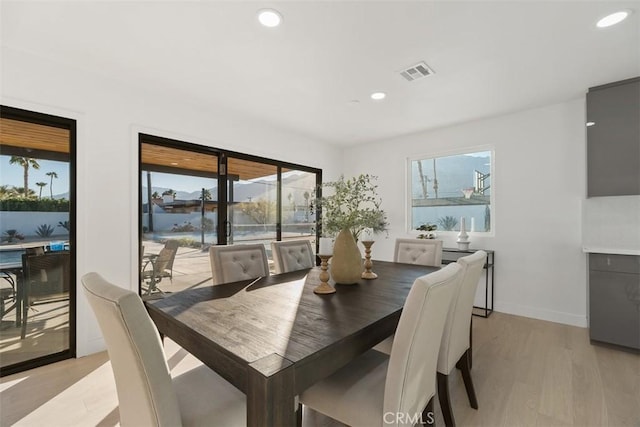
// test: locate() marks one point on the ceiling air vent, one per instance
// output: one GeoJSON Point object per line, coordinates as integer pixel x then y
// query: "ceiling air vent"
{"type": "Point", "coordinates": [416, 72]}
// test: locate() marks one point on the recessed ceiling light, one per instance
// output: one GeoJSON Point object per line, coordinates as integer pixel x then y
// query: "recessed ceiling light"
{"type": "Point", "coordinates": [269, 17]}
{"type": "Point", "coordinates": [378, 96]}
{"type": "Point", "coordinates": [174, 163]}
{"type": "Point", "coordinates": [613, 19]}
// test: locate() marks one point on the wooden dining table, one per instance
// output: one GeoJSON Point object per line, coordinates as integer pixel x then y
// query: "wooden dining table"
{"type": "Point", "coordinates": [273, 337]}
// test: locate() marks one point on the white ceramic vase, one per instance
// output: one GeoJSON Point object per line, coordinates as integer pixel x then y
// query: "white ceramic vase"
{"type": "Point", "coordinates": [346, 264]}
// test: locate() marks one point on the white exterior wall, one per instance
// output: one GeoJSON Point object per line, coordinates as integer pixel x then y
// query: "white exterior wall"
{"type": "Point", "coordinates": [539, 186]}
{"type": "Point", "coordinates": [109, 117]}
{"type": "Point", "coordinates": [27, 222]}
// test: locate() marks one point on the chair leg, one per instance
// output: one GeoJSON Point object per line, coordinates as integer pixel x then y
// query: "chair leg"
{"type": "Point", "coordinates": [445, 400]}
{"type": "Point", "coordinates": [23, 329]}
{"type": "Point", "coordinates": [470, 346]}
{"type": "Point", "coordinates": [471, 343]}
{"type": "Point", "coordinates": [299, 415]}
{"type": "Point", "coordinates": [463, 365]}
{"type": "Point", "coordinates": [428, 416]}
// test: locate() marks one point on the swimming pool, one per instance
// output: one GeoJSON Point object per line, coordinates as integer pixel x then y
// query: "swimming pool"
{"type": "Point", "coordinates": [11, 256]}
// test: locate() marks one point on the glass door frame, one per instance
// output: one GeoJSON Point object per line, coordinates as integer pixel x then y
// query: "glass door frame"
{"type": "Point", "coordinates": [69, 125]}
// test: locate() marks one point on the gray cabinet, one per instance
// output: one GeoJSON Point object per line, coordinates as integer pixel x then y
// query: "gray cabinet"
{"type": "Point", "coordinates": [613, 141]}
{"type": "Point", "coordinates": [614, 299]}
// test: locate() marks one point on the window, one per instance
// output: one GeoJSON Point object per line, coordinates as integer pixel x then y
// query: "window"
{"type": "Point", "coordinates": [192, 197]}
{"type": "Point", "coordinates": [37, 244]}
{"type": "Point", "coordinates": [445, 189]}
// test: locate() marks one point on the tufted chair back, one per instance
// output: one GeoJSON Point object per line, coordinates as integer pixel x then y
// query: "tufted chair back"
{"type": "Point", "coordinates": [238, 262]}
{"type": "Point", "coordinates": [292, 255]}
{"type": "Point", "coordinates": [419, 251]}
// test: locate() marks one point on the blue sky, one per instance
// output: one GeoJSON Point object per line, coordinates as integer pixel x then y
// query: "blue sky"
{"type": "Point", "coordinates": [192, 183]}
{"type": "Point", "coordinates": [13, 175]}
{"type": "Point", "coordinates": [178, 182]}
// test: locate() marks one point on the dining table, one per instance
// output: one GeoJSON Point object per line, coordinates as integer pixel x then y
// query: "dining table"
{"type": "Point", "coordinates": [273, 337]}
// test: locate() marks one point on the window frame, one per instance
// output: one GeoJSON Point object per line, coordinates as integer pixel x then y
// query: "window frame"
{"type": "Point", "coordinates": [447, 153]}
{"type": "Point", "coordinates": [71, 125]}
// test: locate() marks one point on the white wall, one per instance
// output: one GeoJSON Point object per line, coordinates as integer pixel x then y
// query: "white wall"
{"type": "Point", "coordinates": [540, 272]}
{"type": "Point", "coordinates": [109, 115]}
{"type": "Point", "coordinates": [27, 223]}
{"type": "Point", "coordinates": [540, 268]}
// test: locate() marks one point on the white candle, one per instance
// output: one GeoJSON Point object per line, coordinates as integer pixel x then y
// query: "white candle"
{"type": "Point", "coordinates": [367, 234]}
{"type": "Point", "coordinates": [473, 224]}
{"type": "Point", "coordinates": [462, 225]}
{"type": "Point", "coordinates": [325, 246]}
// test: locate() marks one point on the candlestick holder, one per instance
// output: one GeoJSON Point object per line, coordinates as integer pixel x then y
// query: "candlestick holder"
{"type": "Point", "coordinates": [367, 273]}
{"type": "Point", "coordinates": [463, 237]}
{"type": "Point", "coordinates": [324, 287]}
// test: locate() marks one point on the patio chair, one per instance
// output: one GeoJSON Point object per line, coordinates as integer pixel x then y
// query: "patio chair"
{"type": "Point", "coordinates": [7, 292]}
{"type": "Point", "coordinates": [46, 279]}
{"type": "Point", "coordinates": [157, 267]}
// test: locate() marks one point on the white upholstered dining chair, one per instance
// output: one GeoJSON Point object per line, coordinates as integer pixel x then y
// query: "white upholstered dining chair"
{"type": "Point", "coordinates": [375, 389]}
{"type": "Point", "coordinates": [147, 395]}
{"type": "Point", "coordinates": [238, 262]}
{"type": "Point", "coordinates": [419, 251]}
{"type": "Point", "coordinates": [414, 251]}
{"type": "Point", "coordinates": [455, 348]}
{"type": "Point", "coordinates": [292, 255]}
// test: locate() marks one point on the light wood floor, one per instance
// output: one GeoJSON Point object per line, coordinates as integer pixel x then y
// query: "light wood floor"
{"type": "Point", "coordinates": [47, 333]}
{"type": "Point", "coordinates": [526, 372]}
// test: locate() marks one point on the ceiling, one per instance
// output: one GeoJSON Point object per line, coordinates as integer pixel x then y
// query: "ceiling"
{"type": "Point", "coordinates": [32, 136]}
{"type": "Point", "coordinates": [313, 75]}
{"type": "Point", "coordinates": [168, 159]}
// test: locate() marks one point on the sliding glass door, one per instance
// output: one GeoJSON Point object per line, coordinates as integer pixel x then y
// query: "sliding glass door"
{"type": "Point", "coordinates": [252, 202]}
{"type": "Point", "coordinates": [179, 215]}
{"type": "Point", "coordinates": [37, 217]}
{"type": "Point", "coordinates": [192, 197]}
{"type": "Point", "coordinates": [298, 194]}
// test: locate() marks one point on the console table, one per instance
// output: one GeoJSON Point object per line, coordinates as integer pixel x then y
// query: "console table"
{"type": "Point", "coordinates": [450, 255]}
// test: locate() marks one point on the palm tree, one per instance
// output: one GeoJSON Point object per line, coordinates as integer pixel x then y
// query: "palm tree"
{"type": "Point", "coordinates": [5, 191]}
{"type": "Point", "coordinates": [41, 185]}
{"type": "Point", "coordinates": [52, 175]}
{"type": "Point", "coordinates": [207, 194]}
{"type": "Point", "coordinates": [448, 223]}
{"type": "Point", "coordinates": [306, 196]}
{"type": "Point", "coordinates": [25, 162]}
{"type": "Point", "coordinates": [19, 192]}
{"type": "Point", "coordinates": [423, 180]}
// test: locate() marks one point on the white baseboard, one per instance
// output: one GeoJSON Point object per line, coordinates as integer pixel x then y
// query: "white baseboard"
{"type": "Point", "coordinates": [542, 314]}
{"type": "Point", "coordinates": [92, 346]}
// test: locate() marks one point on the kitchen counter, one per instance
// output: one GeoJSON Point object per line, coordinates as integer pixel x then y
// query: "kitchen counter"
{"type": "Point", "coordinates": [609, 250]}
